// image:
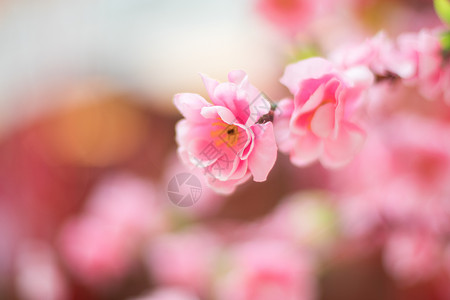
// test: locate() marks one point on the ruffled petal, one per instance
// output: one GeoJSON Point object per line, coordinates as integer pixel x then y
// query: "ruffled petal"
{"type": "Point", "coordinates": [306, 150]}
{"type": "Point", "coordinates": [210, 85]}
{"type": "Point", "coordinates": [190, 106]}
{"type": "Point", "coordinates": [322, 123]}
{"type": "Point", "coordinates": [340, 151]}
{"type": "Point", "coordinates": [264, 154]}
{"type": "Point", "coordinates": [314, 67]}
{"type": "Point", "coordinates": [214, 112]}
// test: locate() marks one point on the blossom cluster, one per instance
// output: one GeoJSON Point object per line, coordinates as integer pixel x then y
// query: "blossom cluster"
{"type": "Point", "coordinates": [376, 116]}
{"type": "Point", "coordinates": [236, 134]}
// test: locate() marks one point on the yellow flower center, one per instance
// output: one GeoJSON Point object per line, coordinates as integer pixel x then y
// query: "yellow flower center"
{"type": "Point", "coordinates": [225, 133]}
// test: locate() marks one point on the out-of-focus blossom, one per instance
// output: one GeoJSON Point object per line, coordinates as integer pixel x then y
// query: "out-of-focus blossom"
{"type": "Point", "coordinates": [168, 294]}
{"type": "Point", "coordinates": [377, 53]}
{"type": "Point", "coordinates": [402, 175]}
{"type": "Point", "coordinates": [304, 219]}
{"type": "Point", "coordinates": [268, 269]}
{"type": "Point", "coordinates": [292, 16]}
{"type": "Point", "coordinates": [321, 125]}
{"type": "Point", "coordinates": [412, 168]}
{"type": "Point", "coordinates": [226, 138]}
{"type": "Point", "coordinates": [98, 246]}
{"type": "Point", "coordinates": [411, 256]}
{"type": "Point", "coordinates": [183, 259]}
{"type": "Point", "coordinates": [424, 51]}
{"type": "Point", "coordinates": [38, 274]}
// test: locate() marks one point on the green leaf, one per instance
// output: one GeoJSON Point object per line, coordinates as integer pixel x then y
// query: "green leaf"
{"type": "Point", "coordinates": [442, 8]}
{"type": "Point", "coordinates": [445, 43]}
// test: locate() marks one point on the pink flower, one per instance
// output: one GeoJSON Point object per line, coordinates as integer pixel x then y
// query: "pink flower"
{"type": "Point", "coordinates": [183, 259]}
{"type": "Point", "coordinates": [377, 53]}
{"type": "Point", "coordinates": [320, 125]}
{"type": "Point", "coordinates": [412, 256]}
{"type": "Point", "coordinates": [266, 270]}
{"type": "Point", "coordinates": [401, 175]}
{"type": "Point", "coordinates": [37, 273]}
{"type": "Point", "coordinates": [98, 245]}
{"type": "Point", "coordinates": [423, 50]}
{"type": "Point", "coordinates": [291, 16]}
{"type": "Point", "coordinates": [225, 138]}
{"type": "Point", "coordinates": [305, 218]}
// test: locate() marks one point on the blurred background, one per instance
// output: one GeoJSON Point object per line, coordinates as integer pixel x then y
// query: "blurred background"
{"type": "Point", "coordinates": [87, 150]}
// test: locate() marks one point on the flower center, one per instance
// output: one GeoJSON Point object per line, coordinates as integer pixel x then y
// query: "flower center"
{"type": "Point", "coordinates": [225, 133]}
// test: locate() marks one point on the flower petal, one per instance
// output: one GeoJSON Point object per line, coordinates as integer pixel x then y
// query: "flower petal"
{"type": "Point", "coordinates": [264, 154]}
{"type": "Point", "coordinates": [340, 151]}
{"type": "Point", "coordinates": [306, 150]}
{"type": "Point", "coordinates": [214, 112]}
{"type": "Point", "coordinates": [225, 94]}
{"type": "Point", "coordinates": [236, 76]}
{"type": "Point", "coordinates": [322, 122]}
{"type": "Point", "coordinates": [314, 67]}
{"type": "Point", "coordinates": [190, 106]}
{"type": "Point", "coordinates": [210, 85]}
{"type": "Point", "coordinates": [226, 187]}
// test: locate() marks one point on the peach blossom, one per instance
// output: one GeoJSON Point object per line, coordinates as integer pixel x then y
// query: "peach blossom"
{"type": "Point", "coordinates": [225, 137]}
{"type": "Point", "coordinates": [321, 126]}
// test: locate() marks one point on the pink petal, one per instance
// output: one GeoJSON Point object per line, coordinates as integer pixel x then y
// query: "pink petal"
{"type": "Point", "coordinates": [322, 122]}
{"type": "Point", "coordinates": [264, 154]}
{"type": "Point", "coordinates": [283, 134]}
{"type": "Point", "coordinates": [203, 153]}
{"type": "Point", "coordinates": [190, 106]}
{"type": "Point", "coordinates": [214, 112]}
{"type": "Point", "coordinates": [210, 85]}
{"type": "Point", "coordinates": [306, 150]}
{"type": "Point", "coordinates": [229, 186]}
{"type": "Point", "coordinates": [225, 94]}
{"type": "Point", "coordinates": [240, 171]}
{"type": "Point", "coordinates": [314, 100]}
{"type": "Point", "coordinates": [257, 107]}
{"type": "Point", "coordinates": [314, 67]}
{"type": "Point", "coordinates": [359, 77]}
{"type": "Point", "coordinates": [236, 76]}
{"type": "Point", "coordinates": [341, 150]}
{"type": "Point", "coordinates": [300, 122]}
{"type": "Point", "coordinates": [225, 166]}
{"type": "Point", "coordinates": [186, 130]}
{"type": "Point", "coordinates": [281, 121]}
{"type": "Point", "coordinates": [246, 146]}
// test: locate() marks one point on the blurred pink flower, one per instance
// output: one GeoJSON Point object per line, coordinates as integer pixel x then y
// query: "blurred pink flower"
{"type": "Point", "coordinates": [167, 294]}
{"type": "Point", "coordinates": [401, 175]}
{"type": "Point", "coordinates": [98, 246]}
{"type": "Point", "coordinates": [225, 138]}
{"type": "Point", "coordinates": [424, 51]}
{"type": "Point", "coordinates": [183, 259]}
{"type": "Point", "coordinates": [37, 273]}
{"type": "Point", "coordinates": [94, 252]}
{"type": "Point", "coordinates": [291, 16]}
{"type": "Point", "coordinates": [305, 218]}
{"type": "Point", "coordinates": [377, 53]}
{"type": "Point", "coordinates": [320, 126]}
{"type": "Point", "coordinates": [412, 256]}
{"type": "Point", "coordinates": [268, 269]}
